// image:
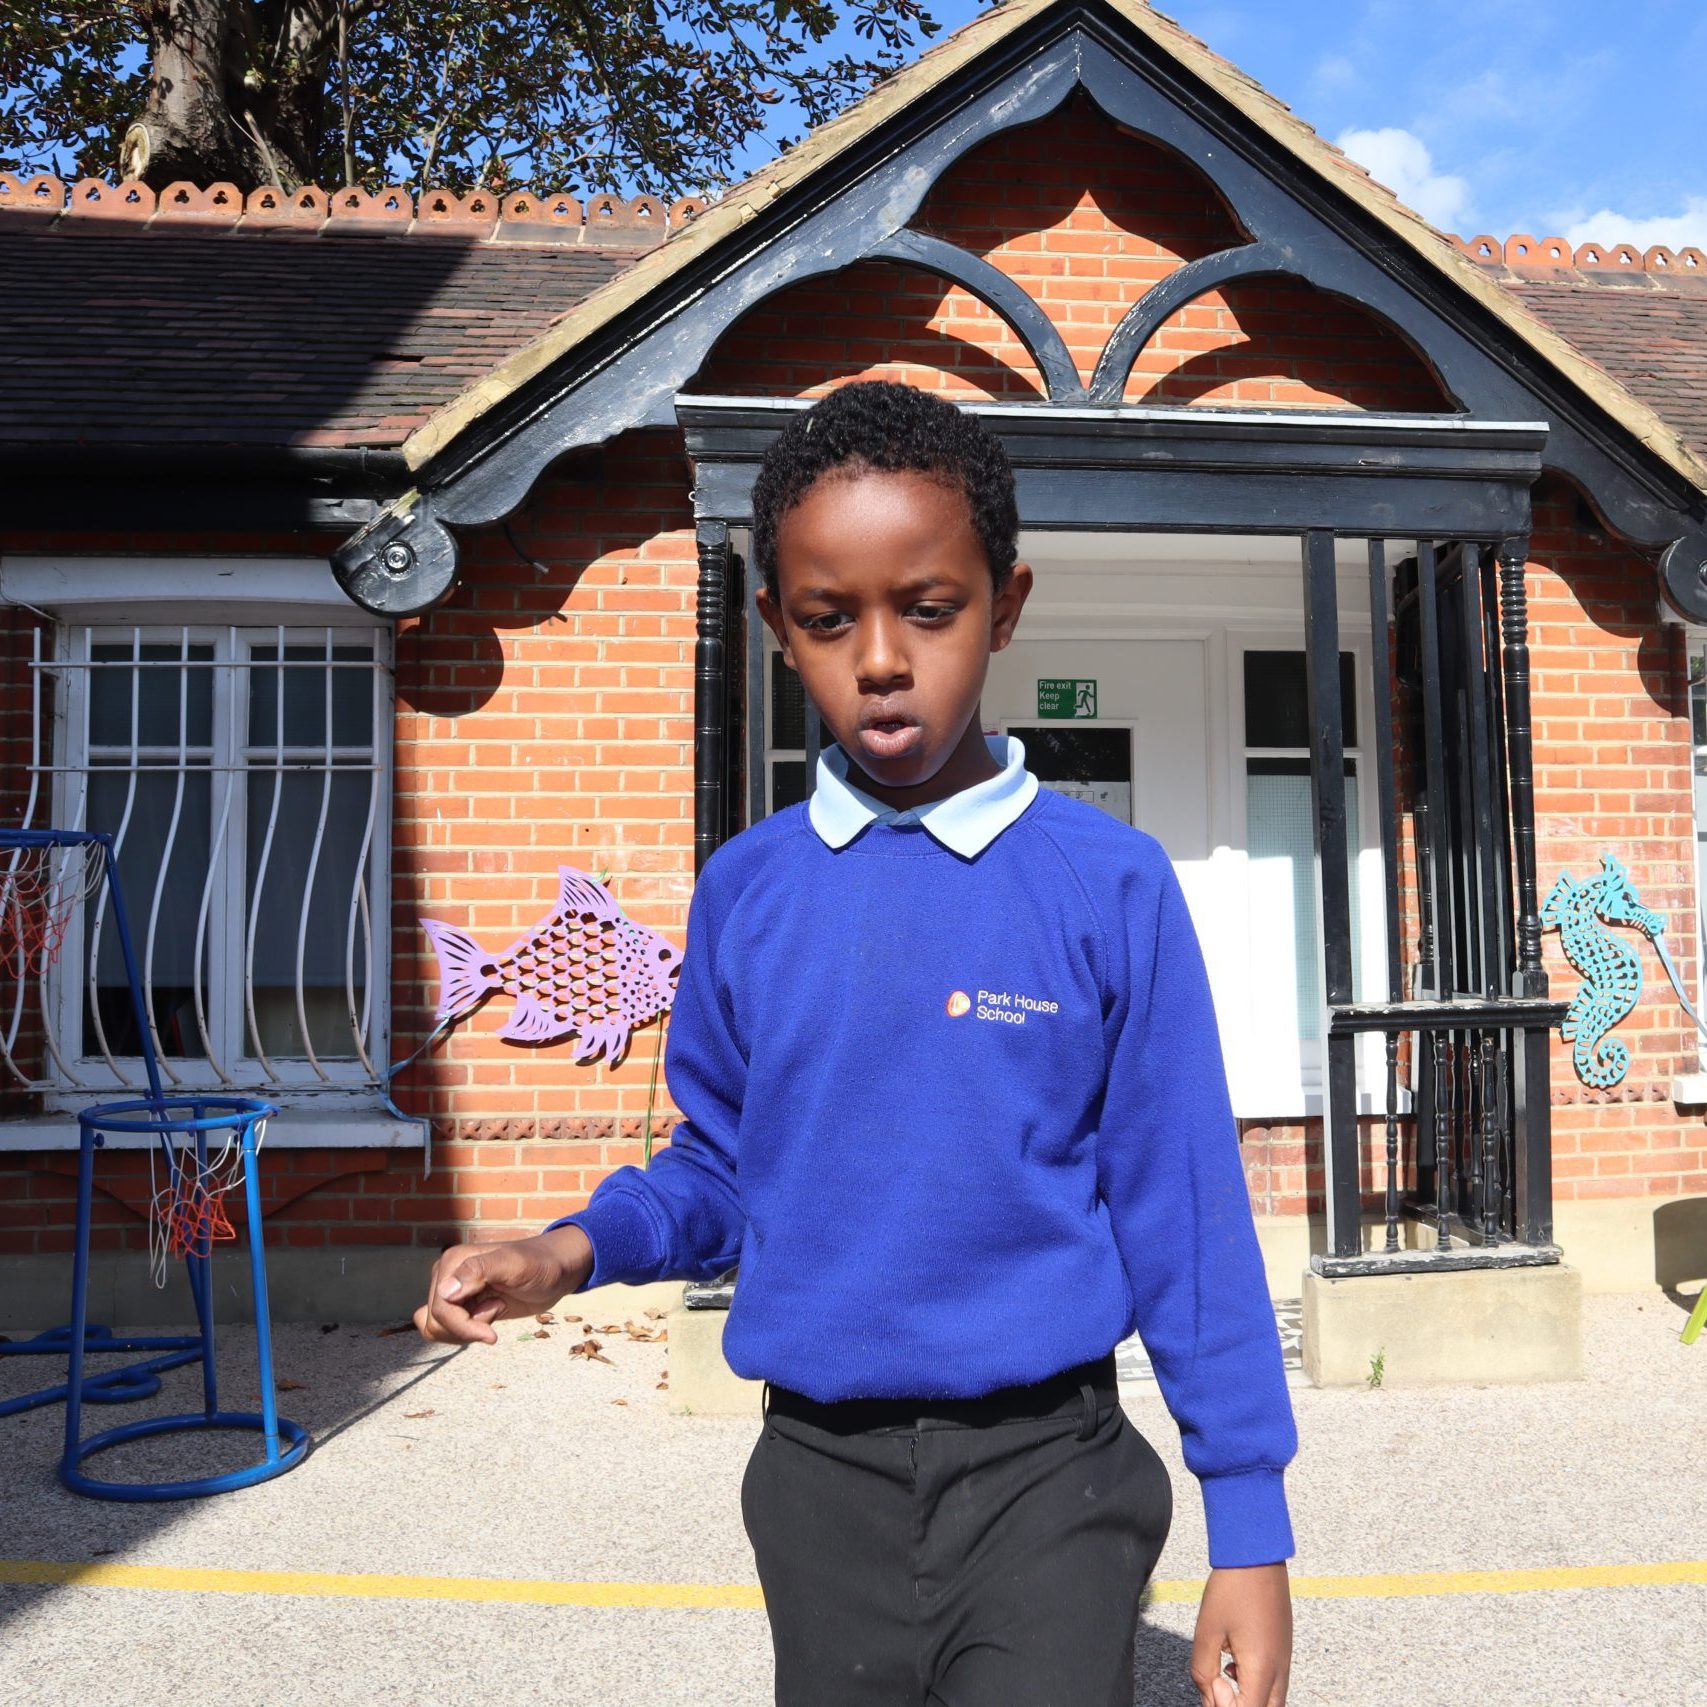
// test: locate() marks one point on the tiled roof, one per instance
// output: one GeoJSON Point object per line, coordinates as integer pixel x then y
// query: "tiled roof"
{"type": "Point", "coordinates": [126, 324]}
{"type": "Point", "coordinates": [1640, 316]}
{"type": "Point", "coordinates": [277, 320]}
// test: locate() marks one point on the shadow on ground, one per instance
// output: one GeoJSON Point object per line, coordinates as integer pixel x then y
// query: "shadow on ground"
{"type": "Point", "coordinates": [329, 1378]}
{"type": "Point", "coordinates": [1164, 1669]}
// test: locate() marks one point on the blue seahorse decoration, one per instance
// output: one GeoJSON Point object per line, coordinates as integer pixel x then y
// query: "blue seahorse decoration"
{"type": "Point", "coordinates": [1611, 969]}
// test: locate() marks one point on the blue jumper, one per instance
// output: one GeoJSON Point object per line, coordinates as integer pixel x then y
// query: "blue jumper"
{"type": "Point", "coordinates": [964, 1124]}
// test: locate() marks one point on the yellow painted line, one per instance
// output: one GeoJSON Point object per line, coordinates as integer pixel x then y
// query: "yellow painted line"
{"type": "Point", "coordinates": [364, 1585]}
{"type": "Point", "coordinates": [1415, 1584]}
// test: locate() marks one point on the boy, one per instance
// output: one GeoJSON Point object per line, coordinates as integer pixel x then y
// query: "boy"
{"type": "Point", "coordinates": [953, 1096]}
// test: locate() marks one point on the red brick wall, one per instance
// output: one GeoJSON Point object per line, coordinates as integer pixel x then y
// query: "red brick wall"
{"type": "Point", "coordinates": [1614, 774]}
{"type": "Point", "coordinates": [541, 720]}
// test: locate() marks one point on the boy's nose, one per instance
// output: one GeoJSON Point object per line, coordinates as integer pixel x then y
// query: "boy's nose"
{"type": "Point", "coordinates": [882, 658]}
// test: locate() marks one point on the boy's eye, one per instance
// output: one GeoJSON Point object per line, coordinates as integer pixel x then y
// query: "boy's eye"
{"type": "Point", "coordinates": [932, 613]}
{"type": "Point", "coordinates": [826, 622]}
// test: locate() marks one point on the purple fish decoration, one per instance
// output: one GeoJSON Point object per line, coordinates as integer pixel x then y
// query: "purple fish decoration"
{"type": "Point", "coordinates": [585, 969]}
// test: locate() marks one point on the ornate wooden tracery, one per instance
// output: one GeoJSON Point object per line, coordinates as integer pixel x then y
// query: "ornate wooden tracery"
{"type": "Point", "coordinates": [859, 208]}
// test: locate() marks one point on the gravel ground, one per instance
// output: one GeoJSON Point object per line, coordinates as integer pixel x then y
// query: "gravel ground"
{"type": "Point", "coordinates": [523, 1462]}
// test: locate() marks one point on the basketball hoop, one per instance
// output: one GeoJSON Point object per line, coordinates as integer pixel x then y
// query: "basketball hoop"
{"type": "Point", "coordinates": [41, 888]}
{"type": "Point", "coordinates": [45, 875]}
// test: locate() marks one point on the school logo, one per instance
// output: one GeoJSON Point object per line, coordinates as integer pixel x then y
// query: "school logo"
{"type": "Point", "coordinates": [959, 1003]}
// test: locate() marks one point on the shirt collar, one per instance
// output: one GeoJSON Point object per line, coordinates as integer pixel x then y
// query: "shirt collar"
{"type": "Point", "coordinates": [965, 823]}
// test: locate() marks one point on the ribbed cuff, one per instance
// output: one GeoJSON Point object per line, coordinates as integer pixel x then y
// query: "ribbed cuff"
{"type": "Point", "coordinates": [1247, 1518]}
{"type": "Point", "coordinates": [623, 1235]}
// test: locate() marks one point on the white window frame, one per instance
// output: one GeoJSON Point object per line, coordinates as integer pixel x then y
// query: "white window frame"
{"type": "Point", "coordinates": [234, 605]}
{"type": "Point", "coordinates": [1293, 1080]}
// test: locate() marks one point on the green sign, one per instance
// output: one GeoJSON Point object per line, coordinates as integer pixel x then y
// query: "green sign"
{"type": "Point", "coordinates": [1066, 696]}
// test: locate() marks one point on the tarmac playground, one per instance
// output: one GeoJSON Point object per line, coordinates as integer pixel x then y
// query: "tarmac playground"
{"type": "Point", "coordinates": [524, 1524]}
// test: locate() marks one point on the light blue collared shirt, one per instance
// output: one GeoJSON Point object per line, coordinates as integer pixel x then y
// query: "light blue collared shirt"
{"type": "Point", "coordinates": [965, 823]}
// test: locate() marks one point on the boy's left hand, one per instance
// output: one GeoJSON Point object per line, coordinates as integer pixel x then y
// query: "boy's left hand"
{"type": "Point", "coordinates": [1247, 1611]}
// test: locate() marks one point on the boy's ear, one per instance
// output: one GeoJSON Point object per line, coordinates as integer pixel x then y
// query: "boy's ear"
{"type": "Point", "coordinates": [1009, 602]}
{"type": "Point", "coordinates": [771, 611]}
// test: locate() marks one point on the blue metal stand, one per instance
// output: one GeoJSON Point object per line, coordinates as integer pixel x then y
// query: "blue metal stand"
{"type": "Point", "coordinates": [164, 1120]}
{"type": "Point", "coordinates": [285, 1442]}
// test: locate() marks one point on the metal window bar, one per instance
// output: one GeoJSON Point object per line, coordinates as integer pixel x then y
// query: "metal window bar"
{"type": "Point", "coordinates": [228, 1045]}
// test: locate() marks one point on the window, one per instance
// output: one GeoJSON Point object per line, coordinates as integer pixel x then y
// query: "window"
{"type": "Point", "coordinates": [244, 773]}
{"type": "Point", "coordinates": [785, 734]}
{"type": "Point", "coordinates": [1279, 823]}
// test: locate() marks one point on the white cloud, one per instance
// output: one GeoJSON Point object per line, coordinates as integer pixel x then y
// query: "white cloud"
{"type": "Point", "coordinates": [1401, 160]}
{"type": "Point", "coordinates": [1675, 231]}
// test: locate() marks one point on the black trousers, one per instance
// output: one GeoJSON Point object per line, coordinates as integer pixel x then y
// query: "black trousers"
{"type": "Point", "coordinates": [956, 1553]}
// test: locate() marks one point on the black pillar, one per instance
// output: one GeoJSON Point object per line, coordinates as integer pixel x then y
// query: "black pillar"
{"type": "Point", "coordinates": [710, 691]}
{"type": "Point", "coordinates": [1333, 890]}
{"type": "Point", "coordinates": [1530, 979]}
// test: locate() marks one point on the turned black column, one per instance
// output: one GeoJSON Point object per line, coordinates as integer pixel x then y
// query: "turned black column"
{"type": "Point", "coordinates": [710, 691]}
{"type": "Point", "coordinates": [1530, 980]}
{"type": "Point", "coordinates": [1532, 1101]}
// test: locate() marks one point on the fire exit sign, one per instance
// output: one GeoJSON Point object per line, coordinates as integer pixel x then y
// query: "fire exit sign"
{"type": "Point", "coordinates": [1066, 696]}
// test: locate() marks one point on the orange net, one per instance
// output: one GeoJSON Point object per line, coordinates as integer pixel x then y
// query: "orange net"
{"type": "Point", "coordinates": [196, 1217]}
{"type": "Point", "coordinates": [40, 892]}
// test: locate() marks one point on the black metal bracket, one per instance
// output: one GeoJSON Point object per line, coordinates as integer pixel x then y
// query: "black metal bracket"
{"type": "Point", "coordinates": [404, 561]}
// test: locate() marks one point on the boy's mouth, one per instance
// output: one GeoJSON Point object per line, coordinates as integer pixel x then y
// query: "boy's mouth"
{"type": "Point", "coordinates": [888, 736]}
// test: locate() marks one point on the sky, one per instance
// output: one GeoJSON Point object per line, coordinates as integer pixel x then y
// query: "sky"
{"type": "Point", "coordinates": [1574, 118]}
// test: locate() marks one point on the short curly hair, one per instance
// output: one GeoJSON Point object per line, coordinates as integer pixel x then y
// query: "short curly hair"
{"type": "Point", "coordinates": [877, 424]}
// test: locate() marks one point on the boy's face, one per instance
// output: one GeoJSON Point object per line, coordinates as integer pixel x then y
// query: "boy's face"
{"type": "Point", "coordinates": [885, 606]}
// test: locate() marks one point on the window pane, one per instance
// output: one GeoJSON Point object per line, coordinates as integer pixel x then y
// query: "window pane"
{"type": "Point", "coordinates": [788, 783]}
{"type": "Point", "coordinates": [162, 868]}
{"type": "Point", "coordinates": [164, 688]}
{"type": "Point", "coordinates": [788, 706]}
{"type": "Point", "coordinates": [304, 692]}
{"type": "Point", "coordinates": [1275, 708]}
{"type": "Point", "coordinates": [1278, 834]}
{"type": "Point", "coordinates": [287, 897]}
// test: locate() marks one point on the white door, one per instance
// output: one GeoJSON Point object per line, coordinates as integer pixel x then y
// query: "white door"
{"type": "Point", "coordinates": [1156, 689]}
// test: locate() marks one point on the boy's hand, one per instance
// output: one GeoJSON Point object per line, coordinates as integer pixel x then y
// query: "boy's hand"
{"type": "Point", "coordinates": [1248, 1612]}
{"type": "Point", "coordinates": [474, 1286]}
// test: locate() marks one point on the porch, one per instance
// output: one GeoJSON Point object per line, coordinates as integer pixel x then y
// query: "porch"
{"type": "Point", "coordinates": [1264, 638]}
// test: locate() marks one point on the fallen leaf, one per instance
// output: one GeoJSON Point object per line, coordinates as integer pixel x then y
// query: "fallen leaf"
{"type": "Point", "coordinates": [496, 1385]}
{"type": "Point", "coordinates": [662, 1335]}
{"type": "Point", "coordinates": [410, 1416]}
{"type": "Point", "coordinates": [662, 1385]}
{"type": "Point", "coordinates": [589, 1348]}
{"type": "Point", "coordinates": [545, 1316]}
{"type": "Point", "coordinates": [328, 1327]}
{"type": "Point", "coordinates": [286, 1385]}
{"type": "Point", "coordinates": [655, 1315]}
{"type": "Point", "coordinates": [542, 1334]}
{"type": "Point", "coordinates": [619, 1401]}
{"type": "Point", "coordinates": [608, 1328]}
{"type": "Point", "coordinates": [574, 1318]}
